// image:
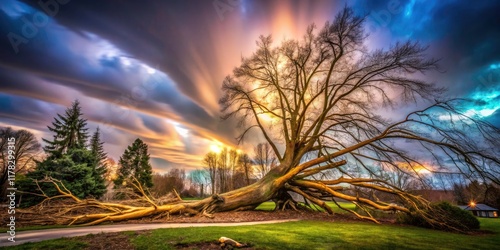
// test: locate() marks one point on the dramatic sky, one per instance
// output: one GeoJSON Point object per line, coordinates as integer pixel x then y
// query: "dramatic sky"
{"type": "Point", "coordinates": [153, 69]}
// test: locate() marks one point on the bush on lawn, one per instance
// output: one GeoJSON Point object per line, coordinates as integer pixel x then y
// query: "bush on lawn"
{"type": "Point", "coordinates": [442, 216]}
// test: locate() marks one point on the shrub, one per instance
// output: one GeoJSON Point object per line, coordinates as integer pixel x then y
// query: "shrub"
{"type": "Point", "coordinates": [76, 170]}
{"type": "Point", "coordinates": [442, 216]}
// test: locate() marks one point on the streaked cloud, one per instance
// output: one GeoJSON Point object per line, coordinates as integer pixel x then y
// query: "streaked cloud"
{"type": "Point", "coordinates": [153, 69]}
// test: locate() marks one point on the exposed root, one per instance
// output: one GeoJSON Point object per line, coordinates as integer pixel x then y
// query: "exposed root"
{"type": "Point", "coordinates": [283, 201]}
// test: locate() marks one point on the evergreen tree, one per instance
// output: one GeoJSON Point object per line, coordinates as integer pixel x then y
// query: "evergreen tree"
{"type": "Point", "coordinates": [81, 170]}
{"type": "Point", "coordinates": [135, 163]}
{"type": "Point", "coordinates": [97, 149]}
{"type": "Point", "coordinates": [76, 170]}
{"type": "Point", "coordinates": [99, 166]}
{"type": "Point", "coordinates": [69, 131]}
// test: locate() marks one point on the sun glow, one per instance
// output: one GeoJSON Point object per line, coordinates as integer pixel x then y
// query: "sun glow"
{"type": "Point", "coordinates": [266, 117]}
{"type": "Point", "coordinates": [215, 148]}
{"type": "Point", "coordinates": [218, 147]}
{"type": "Point", "coordinates": [423, 168]}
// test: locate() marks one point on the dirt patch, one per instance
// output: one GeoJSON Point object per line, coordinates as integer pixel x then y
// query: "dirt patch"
{"type": "Point", "coordinates": [109, 241]}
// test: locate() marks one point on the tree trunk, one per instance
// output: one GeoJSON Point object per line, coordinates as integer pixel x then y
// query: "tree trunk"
{"type": "Point", "coordinates": [252, 195]}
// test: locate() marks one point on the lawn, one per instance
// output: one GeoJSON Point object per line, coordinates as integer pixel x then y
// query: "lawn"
{"type": "Point", "coordinates": [306, 235]}
{"type": "Point", "coordinates": [269, 205]}
{"type": "Point", "coordinates": [325, 235]}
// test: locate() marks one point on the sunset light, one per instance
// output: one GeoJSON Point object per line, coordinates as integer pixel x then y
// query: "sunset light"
{"type": "Point", "coordinates": [215, 148]}
{"type": "Point", "coordinates": [421, 169]}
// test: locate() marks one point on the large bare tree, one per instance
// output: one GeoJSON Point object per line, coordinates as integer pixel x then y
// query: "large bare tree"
{"type": "Point", "coordinates": [317, 102]}
{"type": "Point", "coordinates": [26, 151]}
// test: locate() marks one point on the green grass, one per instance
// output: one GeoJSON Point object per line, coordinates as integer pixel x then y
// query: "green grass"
{"type": "Point", "coordinates": [324, 235]}
{"type": "Point", "coordinates": [490, 224]}
{"type": "Point", "coordinates": [306, 235]}
{"type": "Point", "coordinates": [269, 205]}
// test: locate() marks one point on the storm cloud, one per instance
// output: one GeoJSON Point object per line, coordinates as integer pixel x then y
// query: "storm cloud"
{"type": "Point", "coordinates": [153, 69]}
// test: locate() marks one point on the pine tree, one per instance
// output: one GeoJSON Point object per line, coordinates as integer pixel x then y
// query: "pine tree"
{"type": "Point", "coordinates": [80, 169]}
{"type": "Point", "coordinates": [97, 149]}
{"type": "Point", "coordinates": [135, 163]}
{"type": "Point", "coordinates": [76, 170]}
{"type": "Point", "coordinates": [70, 131]}
{"type": "Point", "coordinates": [100, 156]}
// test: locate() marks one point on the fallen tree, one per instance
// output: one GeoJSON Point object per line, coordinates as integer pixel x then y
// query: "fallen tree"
{"type": "Point", "coordinates": [315, 101]}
